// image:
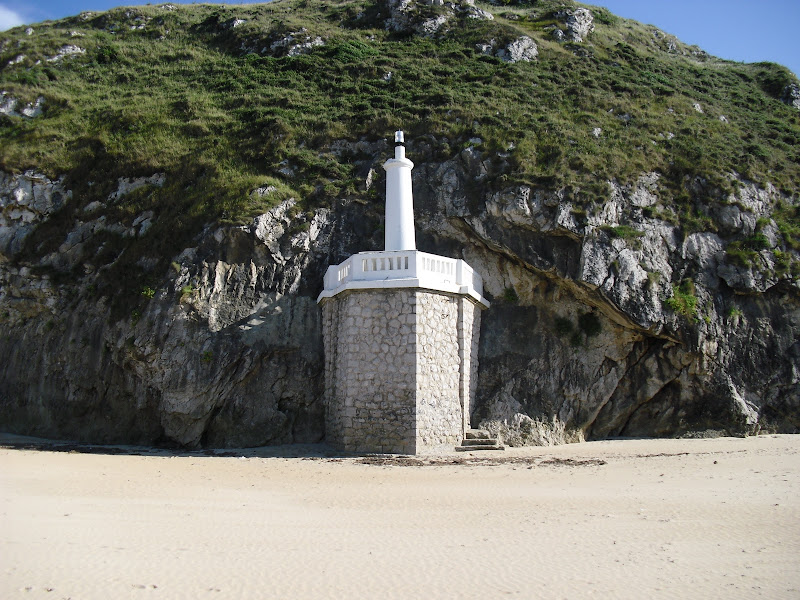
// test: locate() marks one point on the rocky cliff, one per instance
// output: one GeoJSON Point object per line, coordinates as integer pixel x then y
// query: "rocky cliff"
{"type": "Point", "coordinates": [630, 305]}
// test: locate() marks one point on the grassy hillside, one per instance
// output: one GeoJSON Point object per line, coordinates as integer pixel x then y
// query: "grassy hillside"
{"type": "Point", "coordinates": [209, 95]}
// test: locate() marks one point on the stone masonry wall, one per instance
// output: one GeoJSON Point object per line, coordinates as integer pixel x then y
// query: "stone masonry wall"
{"type": "Point", "coordinates": [370, 363]}
{"type": "Point", "coordinates": [399, 369]}
{"type": "Point", "coordinates": [469, 328]}
{"type": "Point", "coordinates": [439, 415]}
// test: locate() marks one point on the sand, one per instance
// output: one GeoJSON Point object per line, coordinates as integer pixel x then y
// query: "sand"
{"type": "Point", "coordinates": [707, 518]}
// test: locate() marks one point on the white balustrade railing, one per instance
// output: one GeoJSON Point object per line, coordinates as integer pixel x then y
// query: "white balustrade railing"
{"type": "Point", "coordinates": [429, 270]}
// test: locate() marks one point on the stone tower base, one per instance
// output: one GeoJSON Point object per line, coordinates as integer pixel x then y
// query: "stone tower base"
{"type": "Point", "coordinates": [400, 368]}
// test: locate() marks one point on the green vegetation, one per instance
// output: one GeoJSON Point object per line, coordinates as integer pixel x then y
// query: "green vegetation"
{"type": "Point", "coordinates": [589, 324]}
{"type": "Point", "coordinates": [733, 312]}
{"type": "Point", "coordinates": [510, 295]}
{"type": "Point", "coordinates": [191, 88]}
{"type": "Point", "coordinates": [787, 218]}
{"type": "Point", "coordinates": [745, 252]}
{"type": "Point", "coordinates": [222, 109]}
{"type": "Point", "coordinates": [625, 232]}
{"type": "Point", "coordinates": [684, 301]}
{"type": "Point", "coordinates": [652, 278]}
{"type": "Point", "coordinates": [562, 326]}
{"type": "Point", "coordinates": [575, 339]}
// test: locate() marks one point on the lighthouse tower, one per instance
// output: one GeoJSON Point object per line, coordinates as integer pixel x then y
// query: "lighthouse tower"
{"type": "Point", "coordinates": [400, 329]}
{"type": "Point", "coordinates": [399, 199]}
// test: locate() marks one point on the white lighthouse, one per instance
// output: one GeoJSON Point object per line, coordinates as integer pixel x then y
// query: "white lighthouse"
{"type": "Point", "coordinates": [401, 330]}
{"type": "Point", "coordinates": [399, 199]}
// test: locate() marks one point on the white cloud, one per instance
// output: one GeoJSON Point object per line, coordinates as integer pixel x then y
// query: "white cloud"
{"type": "Point", "coordinates": [9, 19]}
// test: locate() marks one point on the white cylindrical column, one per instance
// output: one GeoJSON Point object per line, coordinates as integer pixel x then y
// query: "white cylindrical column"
{"type": "Point", "coordinates": [399, 200]}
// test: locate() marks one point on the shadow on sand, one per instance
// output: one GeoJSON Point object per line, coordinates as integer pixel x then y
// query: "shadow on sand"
{"type": "Point", "coordinates": [318, 451]}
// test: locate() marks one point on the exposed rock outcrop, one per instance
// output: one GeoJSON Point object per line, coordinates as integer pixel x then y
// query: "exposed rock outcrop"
{"type": "Point", "coordinates": [429, 17]}
{"type": "Point", "coordinates": [227, 352]}
{"type": "Point", "coordinates": [791, 95]}
{"type": "Point", "coordinates": [613, 321]}
{"type": "Point", "coordinates": [294, 44]}
{"type": "Point", "coordinates": [579, 24]}
{"type": "Point", "coordinates": [65, 51]}
{"type": "Point", "coordinates": [521, 49]}
{"type": "Point", "coordinates": [25, 201]}
{"type": "Point", "coordinates": [636, 366]}
{"type": "Point", "coordinates": [126, 185]}
{"type": "Point", "coordinates": [8, 106]}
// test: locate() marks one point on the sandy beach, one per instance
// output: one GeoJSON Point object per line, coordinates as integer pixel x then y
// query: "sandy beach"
{"type": "Point", "coordinates": [706, 518]}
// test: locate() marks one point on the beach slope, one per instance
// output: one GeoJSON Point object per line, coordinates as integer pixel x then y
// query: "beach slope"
{"type": "Point", "coordinates": [708, 518]}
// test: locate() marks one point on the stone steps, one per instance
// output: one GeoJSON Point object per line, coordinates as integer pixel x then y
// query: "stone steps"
{"type": "Point", "coordinates": [478, 442]}
{"type": "Point", "coordinates": [474, 448]}
{"type": "Point", "coordinates": [477, 439]}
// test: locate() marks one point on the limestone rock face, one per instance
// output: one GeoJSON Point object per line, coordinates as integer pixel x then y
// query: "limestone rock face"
{"type": "Point", "coordinates": [429, 17]}
{"type": "Point", "coordinates": [294, 44]}
{"type": "Point", "coordinates": [522, 49]}
{"type": "Point", "coordinates": [582, 329]}
{"type": "Point", "coordinates": [228, 352]}
{"type": "Point", "coordinates": [66, 51]}
{"type": "Point", "coordinates": [25, 201]}
{"type": "Point", "coordinates": [579, 23]}
{"type": "Point", "coordinates": [791, 95]}
{"type": "Point", "coordinates": [126, 185]}
{"type": "Point", "coordinates": [8, 104]}
{"type": "Point", "coordinates": [609, 322]}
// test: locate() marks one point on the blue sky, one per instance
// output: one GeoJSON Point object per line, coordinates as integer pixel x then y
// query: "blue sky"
{"type": "Point", "coordinates": [742, 30]}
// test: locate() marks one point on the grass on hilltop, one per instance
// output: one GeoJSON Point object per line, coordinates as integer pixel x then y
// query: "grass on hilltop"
{"type": "Point", "coordinates": [193, 96]}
